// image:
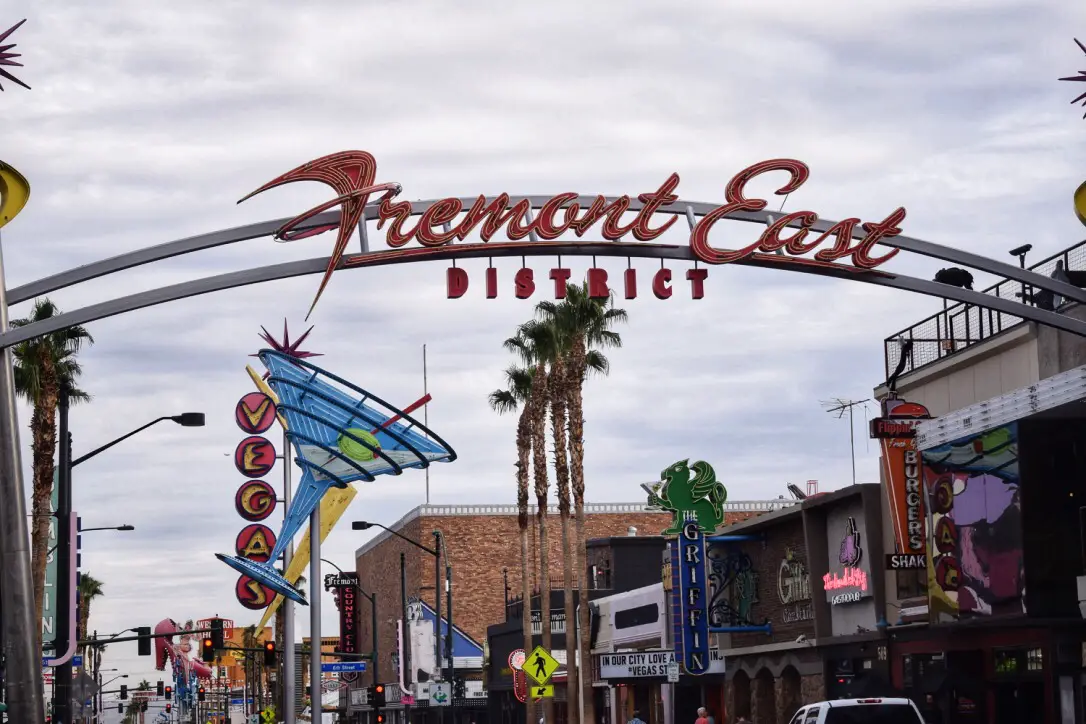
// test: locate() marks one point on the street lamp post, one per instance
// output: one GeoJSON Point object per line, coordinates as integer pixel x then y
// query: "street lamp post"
{"type": "Point", "coordinates": [436, 553]}
{"type": "Point", "coordinates": [62, 693]}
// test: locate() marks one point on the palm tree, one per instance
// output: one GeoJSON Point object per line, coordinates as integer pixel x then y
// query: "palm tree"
{"type": "Point", "coordinates": [90, 588]}
{"type": "Point", "coordinates": [517, 392]}
{"type": "Point", "coordinates": [586, 324]}
{"type": "Point", "coordinates": [42, 366]}
{"type": "Point", "coordinates": [557, 359]}
{"type": "Point", "coordinates": [536, 344]}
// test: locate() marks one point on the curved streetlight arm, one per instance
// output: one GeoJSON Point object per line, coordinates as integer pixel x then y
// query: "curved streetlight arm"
{"type": "Point", "coordinates": [122, 438]}
{"type": "Point", "coordinates": [363, 525]}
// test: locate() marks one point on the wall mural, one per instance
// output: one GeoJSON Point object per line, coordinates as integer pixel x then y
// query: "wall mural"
{"type": "Point", "coordinates": [976, 566]}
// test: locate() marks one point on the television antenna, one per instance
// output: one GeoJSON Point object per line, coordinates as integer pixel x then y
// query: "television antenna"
{"type": "Point", "coordinates": [839, 406]}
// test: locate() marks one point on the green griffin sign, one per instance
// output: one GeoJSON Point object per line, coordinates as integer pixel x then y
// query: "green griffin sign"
{"type": "Point", "coordinates": [692, 488]}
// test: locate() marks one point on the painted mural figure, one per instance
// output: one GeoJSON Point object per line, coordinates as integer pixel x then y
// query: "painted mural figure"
{"type": "Point", "coordinates": [701, 494]}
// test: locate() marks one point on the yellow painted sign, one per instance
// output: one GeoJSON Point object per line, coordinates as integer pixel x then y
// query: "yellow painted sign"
{"type": "Point", "coordinates": [542, 692]}
{"type": "Point", "coordinates": [333, 505]}
{"type": "Point", "coordinates": [268, 715]}
{"type": "Point", "coordinates": [1080, 203]}
{"type": "Point", "coordinates": [14, 193]}
{"type": "Point", "coordinates": [238, 655]}
{"type": "Point", "coordinates": [540, 665]}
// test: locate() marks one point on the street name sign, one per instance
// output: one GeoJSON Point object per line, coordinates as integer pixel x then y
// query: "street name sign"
{"type": "Point", "coordinates": [338, 668]}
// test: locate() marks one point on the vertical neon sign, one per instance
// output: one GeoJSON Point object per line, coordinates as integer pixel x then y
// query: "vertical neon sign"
{"type": "Point", "coordinates": [688, 565]}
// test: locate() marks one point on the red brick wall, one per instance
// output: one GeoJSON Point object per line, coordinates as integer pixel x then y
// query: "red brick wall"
{"type": "Point", "coordinates": [766, 560]}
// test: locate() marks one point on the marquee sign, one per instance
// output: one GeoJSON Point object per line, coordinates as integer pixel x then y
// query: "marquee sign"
{"type": "Point", "coordinates": [352, 175]}
{"type": "Point", "coordinates": [896, 431]}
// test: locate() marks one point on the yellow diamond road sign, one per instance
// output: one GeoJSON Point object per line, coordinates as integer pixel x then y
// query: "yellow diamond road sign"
{"type": "Point", "coordinates": [540, 665]}
{"type": "Point", "coordinates": [542, 692]}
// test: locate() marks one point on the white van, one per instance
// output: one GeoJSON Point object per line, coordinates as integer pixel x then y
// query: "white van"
{"type": "Point", "coordinates": [859, 711]}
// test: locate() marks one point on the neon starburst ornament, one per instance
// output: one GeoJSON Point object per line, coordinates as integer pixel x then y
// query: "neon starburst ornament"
{"type": "Point", "coordinates": [286, 347]}
{"type": "Point", "coordinates": [1081, 77]}
{"type": "Point", "coordinates": [6, 56]}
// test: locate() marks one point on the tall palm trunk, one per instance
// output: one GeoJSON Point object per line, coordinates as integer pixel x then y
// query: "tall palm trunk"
{"type": "Point", "coordinates": [576, 471]}
{"type": "Point", "coordinates": [558, 395]}
{"type": "Point", "coordinates": [44, 431]}
{"type": "Point", "coordinates": [538, 407]}
{"type": "Point", "coordinates": [524, 451]}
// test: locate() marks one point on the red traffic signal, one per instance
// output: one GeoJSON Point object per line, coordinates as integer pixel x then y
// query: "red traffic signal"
{"type": "Point", "coordinates": [169, 692]}
{"type": "Point", "coordinates": [201, 693]}
{"type": "Point", "coordinates": [169, 708]}
{"type": "Point", "coordinates": [269, 653]}
{"type": "Point", "coordinates": [207, 650]}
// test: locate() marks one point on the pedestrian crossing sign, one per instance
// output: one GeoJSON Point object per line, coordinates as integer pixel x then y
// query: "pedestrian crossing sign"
{"type": "Point", "coordinates": [540, 665]}
{"type": "Point", "coordinates": [542, 692]}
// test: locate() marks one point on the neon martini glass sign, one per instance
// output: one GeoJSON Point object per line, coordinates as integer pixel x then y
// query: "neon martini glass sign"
{"type": "Point", "coordinates": [340, 433]}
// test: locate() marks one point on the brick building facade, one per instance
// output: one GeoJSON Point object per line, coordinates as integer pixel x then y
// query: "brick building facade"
{"type": "Point", "coordinates": [483, 543]}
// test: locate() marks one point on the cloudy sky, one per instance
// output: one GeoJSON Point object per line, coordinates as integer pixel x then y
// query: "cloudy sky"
{"type": "Point", "coordinates": [147, 122]}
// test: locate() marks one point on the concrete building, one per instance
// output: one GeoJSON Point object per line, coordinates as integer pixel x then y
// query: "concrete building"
{"type": "Point", "coordinates": [991, 625]}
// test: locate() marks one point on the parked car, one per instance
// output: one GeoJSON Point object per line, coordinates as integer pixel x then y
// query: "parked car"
{"type": "Point", "coordinates": [859, 711]}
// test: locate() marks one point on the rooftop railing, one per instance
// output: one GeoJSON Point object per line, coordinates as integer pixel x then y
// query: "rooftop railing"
{"type": "Point", "coordinates": [959, 326]}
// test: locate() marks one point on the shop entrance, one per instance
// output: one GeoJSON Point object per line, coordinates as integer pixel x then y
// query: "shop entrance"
{"type": "Point", "coordinates": [1020, 702]}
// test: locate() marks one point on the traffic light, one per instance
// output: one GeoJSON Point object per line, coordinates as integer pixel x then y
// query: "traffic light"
{"type": "Point", "coordinates": [269, 653]}
{"type": "Point", "coordinates": [169, 693]}
{"type": "Point", "coordinates": [459, 689]}
{"type": "Point", "coordinates": [216, 634]}
{"type": "Point", "coordinates": [377, 696]}
{"type": "Point", "coordinates": [124, 691]}
{"type": "Point", "coordinates": [143, 706]}
{"type": "Point", "coordinates": [160, 690]}
{"type": "Point", "coordinates": [169, 708]}
{"type": "Point", "coordinates": [380, 718]}
{"type": "Point", "coordinates": [144, 643]}
{"type": "Point", "coordinates": [207, 650]}
{"type": "Point", "coordinates": [201, 693]}
{"type": "Point", "coordinates": [120, 708]}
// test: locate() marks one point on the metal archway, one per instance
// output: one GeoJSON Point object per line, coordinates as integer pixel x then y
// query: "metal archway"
{"type": "Point", "coordinates": [692, 211]}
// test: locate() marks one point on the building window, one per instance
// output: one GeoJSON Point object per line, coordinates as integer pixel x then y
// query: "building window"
{"type": "Point", "coordinates": [601, 576]}
{"type": "Point", "coordinates": [1035, 660]}
{"type": "Point", "coordinates": [637, 616]}
{"type": "Point", "coordinates": [1006, 661]}
{"type": "Point", "coordinates": [912, 584]}
{"type": "Point", "coordinates": [907, 672]}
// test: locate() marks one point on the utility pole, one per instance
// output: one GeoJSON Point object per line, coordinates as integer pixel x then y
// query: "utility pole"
{"type": "Point", "coordinates": [839, 406]}
{"type": "Point", "coordinates": [62, 697]}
